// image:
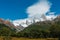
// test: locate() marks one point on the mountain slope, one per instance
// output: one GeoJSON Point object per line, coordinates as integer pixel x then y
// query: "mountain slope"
{"type": "Point", "coordinates": [5, 30]}
{"type": "Point", "coordinates": [11, 25]}
{"type": "Point", "coordinates": [38, 26]}
{"type": "Point", "coordinates": [42, 29]}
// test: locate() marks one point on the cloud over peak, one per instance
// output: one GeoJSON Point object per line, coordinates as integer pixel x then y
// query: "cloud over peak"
{"type": "Point", "coordinates": [39, 8]}
{"type": "Point", "coordinates": [37, 12]}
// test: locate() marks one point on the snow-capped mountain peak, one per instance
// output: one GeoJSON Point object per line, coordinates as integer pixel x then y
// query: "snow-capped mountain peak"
{"type": "Point", "coordinates": [25, 22]}
{"type": "Point", "coordinates": [29, 21]}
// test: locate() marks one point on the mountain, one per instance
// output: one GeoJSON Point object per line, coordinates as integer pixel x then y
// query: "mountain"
{"type": "Point", "coordinates": [42, 25]}
{"type": "Point", "coordinates": [11, 25]}
{"type": "Point", "coordinates": [6, 30]}
{"type": "Point", "coordinates": [6, 22]}
{"type": "Point", "coordinates": [42, 29]}
{"type": "Point", "coordinates": [57, 18]}
{"type": "Point", "coordinates": [1, 20]}
{"type": "Point", "coordinates": [25, 22]}
{"type": "Point", "coordinates": [22, 24]}
{"type": "Point", "coordinates": [28, 21]}
{"type": "Point", "coordinates": [45, 25]}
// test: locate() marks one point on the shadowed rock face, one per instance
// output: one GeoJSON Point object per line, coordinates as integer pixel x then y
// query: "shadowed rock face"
{"type": "Point", "coordinates": [6, 22]}
{"type": "Point", "coordinates": [1, 20]}
{"type": "Point", "coordinates": [57, 19]}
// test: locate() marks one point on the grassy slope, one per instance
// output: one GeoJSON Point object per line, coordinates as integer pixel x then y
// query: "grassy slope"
{"type": "Point", "coordinates": [37, 26]}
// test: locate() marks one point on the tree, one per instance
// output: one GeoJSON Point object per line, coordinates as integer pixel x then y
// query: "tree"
{"type": "Point", "coordinates": [55, 30]}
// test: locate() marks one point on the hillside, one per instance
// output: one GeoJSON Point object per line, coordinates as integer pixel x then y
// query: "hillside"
{"type": "Point", "coordinates": [37, 26]}
{"type": "Point", "coordinates": [42, 29]}
{"type": "Point", "coordinates": [43, 25]}
{"type": "Point", "coordinates": [6, 30]}
{"type": "Point", "coordinates": [10, 25]}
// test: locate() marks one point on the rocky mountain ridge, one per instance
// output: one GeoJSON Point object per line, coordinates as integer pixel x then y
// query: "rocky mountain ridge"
{"type": "Point", "coordinates": [10, 24]}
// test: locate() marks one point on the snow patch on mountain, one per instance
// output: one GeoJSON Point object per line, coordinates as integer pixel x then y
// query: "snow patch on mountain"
{"type": "Point", "coordinates": [25, 22]}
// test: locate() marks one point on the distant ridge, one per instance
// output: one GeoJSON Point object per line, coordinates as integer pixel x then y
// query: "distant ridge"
{"type": "Point", "coordinates": [10, 24]}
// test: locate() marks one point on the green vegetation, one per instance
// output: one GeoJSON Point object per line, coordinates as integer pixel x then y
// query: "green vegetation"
{"type": "Point", "coordinates": [6, 32]}
{"type": "Point", "coordinates": [45, 29]}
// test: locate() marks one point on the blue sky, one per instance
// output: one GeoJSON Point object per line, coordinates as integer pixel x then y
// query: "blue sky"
{"type": "Point", "coordinates": [16, 9]}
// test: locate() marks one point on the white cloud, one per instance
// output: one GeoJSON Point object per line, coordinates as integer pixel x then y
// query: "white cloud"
{"type": "Point", "coordinates": [39, 8]}
{"type": "Point", "coordinates": [38, 12]}
{"type": "Point", "coordinates": [51, 13]}
{"type": "Point", "coordinates": [51, 16]}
